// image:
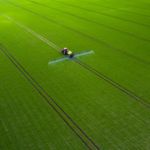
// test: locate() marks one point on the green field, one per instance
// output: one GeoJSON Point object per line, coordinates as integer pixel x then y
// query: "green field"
{"type": "Point", "coordinates": [96, 101]}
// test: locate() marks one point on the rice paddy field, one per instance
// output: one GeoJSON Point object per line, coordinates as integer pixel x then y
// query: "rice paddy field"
{"type": "Point", "coordinates": [98, 101]}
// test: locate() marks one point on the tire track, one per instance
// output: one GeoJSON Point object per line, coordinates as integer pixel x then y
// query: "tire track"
{"type": "Point", "coordinates": [113, 83]}
{"type": "Point", "coordinates": [104, 14]}
{"type": "Point", "coordinates": [127, 5]}
{"type": "Point", "coordinates": [92, 21]}
{"type": "Point", "coordinates": [34, 33]}
{"type": "Point", "coordinates": [114, 8]}
{"type": "Point", "coordinates": [80, 33]}
{"type": "Point", "coordinates": [29, 77]}
{"type": "Point", "coordinates": [97, 73]}
{"type": "Point", "coordinates": [138, 2]}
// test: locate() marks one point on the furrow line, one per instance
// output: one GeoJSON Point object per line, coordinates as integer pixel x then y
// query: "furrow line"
{"type": "Point", "coordinates": [92, 21]}
{"type": "Point", "coordinates": [34, 33]}
{"type": "Point", "coordinates": [78, 32]}
{"type": "Point", "coordinates": [90, 70]}
{"type": "Point", "coordinates": [138, 2]}
{"type": "Point", "coordinates": [19, 67]}
{"type": "Point", "coordinates": [127, 5]}
{"type": "Point", "coordinates": [114, 8]}
{"type": "Point", "coordinates": [104, 14]}
{"type": "Point", "coordinates": [113, 83]}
